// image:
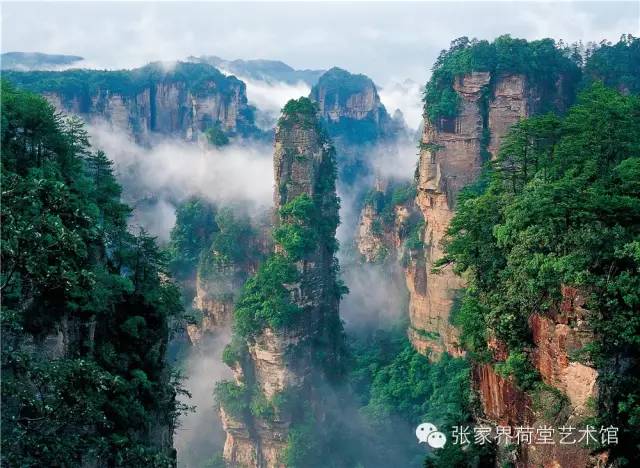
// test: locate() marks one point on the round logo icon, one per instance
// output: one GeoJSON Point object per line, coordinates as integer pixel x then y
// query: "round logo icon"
{"type": "Point", "coordinates": [437, 440]}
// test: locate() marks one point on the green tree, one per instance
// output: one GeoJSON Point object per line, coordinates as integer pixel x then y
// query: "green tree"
{"type": "Point", "coordinates": [561, 208]}
{"type": "Point", "coordinates": [70, 267]}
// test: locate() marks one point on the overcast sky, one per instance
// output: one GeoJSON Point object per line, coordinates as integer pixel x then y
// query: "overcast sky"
{"type": "Point", "coordinates": [383, 40]}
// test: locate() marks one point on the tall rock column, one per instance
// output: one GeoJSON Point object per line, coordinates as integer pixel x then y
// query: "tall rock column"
{"type": "Point", "coordinates": [287, 326]}
{"type": "Point", "coordinates": [451, 157]}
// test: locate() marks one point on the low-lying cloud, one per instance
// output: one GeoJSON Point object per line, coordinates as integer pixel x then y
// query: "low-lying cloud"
{"type": "Point", "coordinates": [157, 178]}
{"type": "Point", "coordinates": [200, 434]}
{"type": "Point", "coordinates": [269, 97]}
{"type": "Point", "coordinates": [406, 96]}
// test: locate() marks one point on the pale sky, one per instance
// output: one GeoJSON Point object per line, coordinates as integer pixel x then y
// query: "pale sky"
{"type": "Point", "coordinates": [387, 41]}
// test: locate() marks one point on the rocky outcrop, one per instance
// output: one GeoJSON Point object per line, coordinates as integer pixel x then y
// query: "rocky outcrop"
{"type": "Point", "coordinates": [386, 221]}
{"type": "Point", "coordinates": [182, 101]}
{"type": "Point", "coordinates": [356, 120]}
{"type": "Point", "coordinates": [557, 337]}
{"type": "Point", "coordinates": [450, 158]}
{"type": "Point", "coordinates": [216, 310]}
{"type": "Point", "coordinates": [370, 239]}
{"type": "Point", "coordinates": [341, 95]}
{"type": "Point", "coordinates": [502, 401]}
{"type": "Point", "coordinates": [453, 151]}
{"type": "Point", "coordinates": [282, 361]}
{"type": "Point", "coordinates": [570, 392]}
{"type": "Point", "coordinates": [510, 102]}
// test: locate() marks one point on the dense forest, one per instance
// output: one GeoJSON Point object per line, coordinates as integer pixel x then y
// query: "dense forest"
{"type": "Point", "coordinates": [87, 306]}
{"type": "Point", "coordinates": [559, 207]}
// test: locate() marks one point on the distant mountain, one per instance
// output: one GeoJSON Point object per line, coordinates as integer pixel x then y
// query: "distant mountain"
{"type": "Point", "coordinates": [185, 100]}
{"type": "Point", "coordinates": [351, 107]}
{"type": "Point", "coordinates": [27, 61]}
{"type": "Point", "coordinates": [355, 119]}
{"type": "Point", "coordinates": [262, 70]}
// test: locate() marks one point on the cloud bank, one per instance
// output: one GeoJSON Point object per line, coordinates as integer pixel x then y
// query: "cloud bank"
{"type": "Point", "coordinates": [380, 39]}
{"type": "Point", "coordinates": [270, 97]}
{"type": "Point", "coordinates": [157, 178]}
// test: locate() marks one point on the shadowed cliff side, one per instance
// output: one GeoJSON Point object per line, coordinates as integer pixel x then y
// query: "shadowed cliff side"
{"type": "Point", "coordinates": [356, 121]}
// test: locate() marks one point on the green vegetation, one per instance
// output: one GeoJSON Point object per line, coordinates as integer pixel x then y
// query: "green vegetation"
{"type": "Point", "coordinates": [69, 265]}
{"type": "Point", "coordinates": [551, 404]}
{"type": "Point", "coordinates": [340, 85]}
{"type": "Point", "coordinates": [414, 236]}
{"type": "Point", "coordinates": [543, 63]}
{"type": "Point", "coordinates": [82, 83]}
{"type": "Point", "coordinates": [303, 447]}
{"type": "Point", "coordinates": [225, 264]}
{"type": "Point", "coordinates": [560, 208]}
{"type": "Point", "coordinates": [214, 246]}
{"type": "Point", "coordinates": [518, 366]}
{"type": "Point", "coordinates": [385, 202]}
{"type": "Point", "coordinates": [234, 352]}
{"type": "Point", "coordinates": [265, 301]}
{"type": "Point", "coordinates": [216, 136]}
{"type": "Point", "coordinates": [616, 65]}
{"type": "Point", "coordinates": [396, 389]}
{"type": "Point", "coordinates": [307, 225]}
{"type": "Point", "coordinates": [302, 112]}
{"type": "Point", "coordinates": [193, 232]}
{"type": "Point", "coordinates": [240, 401]}
{"type": "Point", "coordinates": [233, 397]}
{"type": "Point", "coordinates": [297, 234]}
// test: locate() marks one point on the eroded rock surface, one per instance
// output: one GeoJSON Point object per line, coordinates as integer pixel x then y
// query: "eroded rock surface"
{"type": "Point", "coordinates": [282, 361]}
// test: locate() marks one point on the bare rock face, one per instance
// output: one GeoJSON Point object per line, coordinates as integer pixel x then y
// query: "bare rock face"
{"type": "Point", "coordinates": [555, 338]}
{"type": "Point", "coordinates": [510, 103]}
{"type": "Point", "coordinates": [282, 360]}
{"type": "Point", "coordinates": [502, 402]}
{"type": "Point", "coordinates": [370, 236]}
{"type": "Point", "coordinates": [217, 312]}
{"type": "Point", "coordinates": [167, 109]}
{"type": "Point", "coordinates": [449, 160]}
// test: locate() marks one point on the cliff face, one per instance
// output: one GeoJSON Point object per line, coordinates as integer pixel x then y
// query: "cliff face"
{"type": "Point", "coordinates": [555, 337]}
{"type": "Point", "coordinates": [355, 119]}
{"type": "Point", "coordinates": [450, 159]}
{"type": "Point", "coordinates": [184, 101]}
{"type": "Point", "coordinates": [341, 95]}
{"type": "Point", "coordinates": [387, 219]}
{"type": "Point", "coordinates": [282, 360]}
{"type": "Point", "coordinates": [217, 312]}
{"type": "Point", "coordinates": [452, 154]}
{"type": "Point", "coordinates": [217, 291]}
